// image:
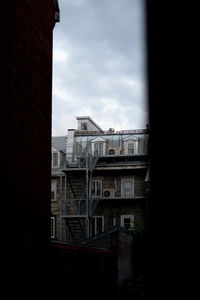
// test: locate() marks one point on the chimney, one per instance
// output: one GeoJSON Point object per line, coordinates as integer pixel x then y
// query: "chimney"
{"type": "Point", "coordinates": [111, 130]}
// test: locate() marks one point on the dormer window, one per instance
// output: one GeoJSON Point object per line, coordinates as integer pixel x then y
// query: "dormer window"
{"type": "Point", "coordinates": [130, 148]}
{"type": "Point", "coordinates": [98, 146]}
{"type": "Point", "coordinates": [131, 145]}
{"type": "Point", "coordinates": [55, 158]}
{"type": "Point", "coordinates": [83, 126]}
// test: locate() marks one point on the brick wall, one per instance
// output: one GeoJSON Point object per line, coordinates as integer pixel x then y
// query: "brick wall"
{"type": "Point", "coordinates": [116, 208]}
{"type": "Point", "coordinates": [25, 122]}
{"type": "Point", "coordinates": [109, 181]}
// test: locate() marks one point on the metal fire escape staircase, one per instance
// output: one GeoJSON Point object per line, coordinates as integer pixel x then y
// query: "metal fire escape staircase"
{"type": "Point", "coordinates": [82, 207]}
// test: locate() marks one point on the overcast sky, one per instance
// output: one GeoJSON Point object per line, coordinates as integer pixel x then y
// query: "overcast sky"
{"type": "Point", "coordinates": [99, 66]}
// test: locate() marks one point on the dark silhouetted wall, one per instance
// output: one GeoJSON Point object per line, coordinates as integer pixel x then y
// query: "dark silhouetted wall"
{"type": "Point", "coordinates": [25, 137]}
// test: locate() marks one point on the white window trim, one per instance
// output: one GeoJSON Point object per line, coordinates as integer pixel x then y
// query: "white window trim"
{"type": "Point", "coordinates": [53, 228]}
{"type": "Point", "coordinates": [134, 142]}
{"type": "Point", "coordinates": [95, 223]}
{"type": "Point", "coordinates": [104, 147]}
{"type": "Point", "coordinates": [99, 140]}
{"type": "Point", "coordinates": [122, 189]}
{"type": "Point", "coordinates": [54, 182]}
{"type": "Point", "coordinates": [100, 181]}
{"type": "Point", "coordinates": [131, 217]}
{"type": "Point", "coordinates": [58, 152]}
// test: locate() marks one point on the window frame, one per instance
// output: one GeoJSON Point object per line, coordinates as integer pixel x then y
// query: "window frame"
{"type": "Point", "coordinates": [53, 226]}
{"type": "Point", "coordinates": [122, 187]}
{"type": "Point", "coordinates": [97, 142]}
{"type": "Point", "coordinates": [123, 217]}
{"type": "Point", "coordinates": [135, 143]}
{"type": "Point", "coordinates": [101, 190]}
{"type": "Point", "coordinates": [99, 151]}
{"type": "Point", "coordinates": [132, 149]}
{"type": "Point", "coordinates": [84, 126]}
{"type": "Point", "coordinates": [54, 182]}
{"type": "Point", "coordinates": [95, 224]}
{"type": "Point", "coordinates": [52, 160]}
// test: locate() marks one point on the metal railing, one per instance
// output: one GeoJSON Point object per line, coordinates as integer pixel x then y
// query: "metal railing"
{"type": "Point", "coordinates": [84, 160]}
{"type": "Point", "coordinates": [79, 207]}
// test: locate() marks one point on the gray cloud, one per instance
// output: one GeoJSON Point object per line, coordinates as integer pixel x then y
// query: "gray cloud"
{"type": "Point", "coordinates": [99, 64]}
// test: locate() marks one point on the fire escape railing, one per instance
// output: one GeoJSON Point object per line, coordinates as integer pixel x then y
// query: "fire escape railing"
{"type": "Point", "coordinates": [82, 204]}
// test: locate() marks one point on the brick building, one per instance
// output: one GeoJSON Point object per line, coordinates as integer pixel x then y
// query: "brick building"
{"type": "Point", "coordinates": [99, 193]}
{"type": "Point", "coordinates": [98, 180]}
{"type": "Point", "coordinates": [25, 121]}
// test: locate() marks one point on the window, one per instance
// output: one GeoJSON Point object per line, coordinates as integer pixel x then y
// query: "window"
{"type": "Point", "coordinates": [98, 146]}
{"type": "Point", "coordinates": [96, 188]}
{"type": "Point", "coordinates": [98, 149]}
{"type": "Point", "coordinates": [53, 190]}
{"type": "Point", "coordinates": [131, 148]}
{"type": "Point", "coordinates": [52, 195]}
{"type": "Point", "coordinates": [55, 159]}
{"type": "Point", "coordinates": [97, 225]}
{"type": "Point", "coordinates": [83, 126]}
{"type": "Point", "coordinates": [78, 148]}
{"type": "Point", "coordinates": [53, 227]}
{"type": "Point", "coordinates": [127, 188]}
{"type": "Point", "coordinates": [127, 221]}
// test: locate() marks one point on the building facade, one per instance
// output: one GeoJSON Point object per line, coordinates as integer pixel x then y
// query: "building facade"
{"type": "Point", "coordinates": [98, 181]}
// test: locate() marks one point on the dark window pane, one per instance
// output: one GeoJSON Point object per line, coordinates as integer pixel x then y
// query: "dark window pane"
{"type": "Point", "coordinates": [55, 159]}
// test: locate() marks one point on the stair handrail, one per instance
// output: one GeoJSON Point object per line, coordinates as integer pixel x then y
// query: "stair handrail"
{"type": "Point", "coordinates": [94, 162]}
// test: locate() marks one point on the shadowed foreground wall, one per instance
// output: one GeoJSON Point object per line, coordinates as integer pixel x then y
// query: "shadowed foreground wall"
{"type": "Point", "coordinates": [25, 137]}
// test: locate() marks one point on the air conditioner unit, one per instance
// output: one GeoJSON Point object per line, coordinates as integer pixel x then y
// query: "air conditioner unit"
{"type": "Point", "coordinates": [114, 150]}
{"type": "Point", "coordinates": [109, 193]}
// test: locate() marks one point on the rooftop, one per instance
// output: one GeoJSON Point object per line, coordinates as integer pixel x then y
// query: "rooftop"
{"type": "Point", "coordinates": [59, 143]}
{"type": "Point", "coordinates": [91, 121]}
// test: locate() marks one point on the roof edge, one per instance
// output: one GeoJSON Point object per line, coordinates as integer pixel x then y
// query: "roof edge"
{"type": "Point", "coordinates": [88, 118]}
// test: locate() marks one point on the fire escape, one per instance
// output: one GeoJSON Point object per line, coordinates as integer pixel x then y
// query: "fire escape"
{"type": "Point", "coordinates": [78, 208]}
